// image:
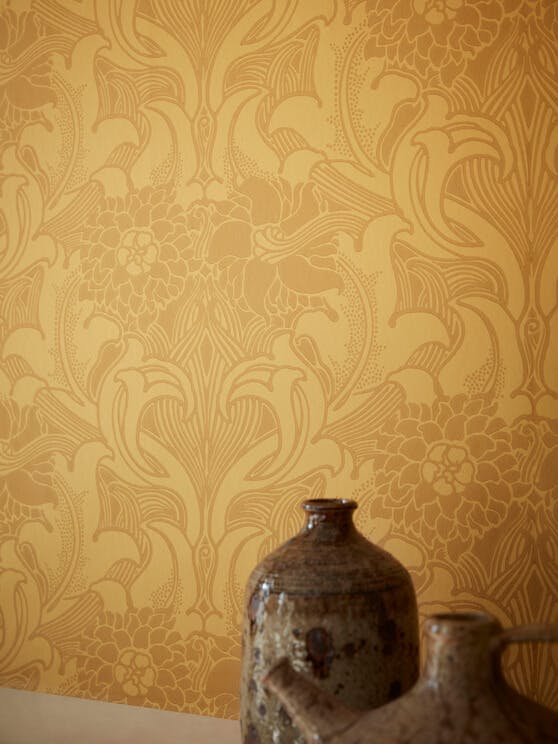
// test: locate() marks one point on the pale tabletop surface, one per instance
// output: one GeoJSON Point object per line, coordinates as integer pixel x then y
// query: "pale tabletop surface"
{"type": "Point", "coordinates": [37, 718]}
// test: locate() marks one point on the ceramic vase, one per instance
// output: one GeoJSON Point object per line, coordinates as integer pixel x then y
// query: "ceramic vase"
{"type": "Point", "coordinates": [339, 608]}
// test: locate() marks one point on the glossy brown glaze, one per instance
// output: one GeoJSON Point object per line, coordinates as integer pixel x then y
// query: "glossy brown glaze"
{"type": "Point", "coordinates": [340, 608]}
{"type": "Point", "coordinates": [461, 698]}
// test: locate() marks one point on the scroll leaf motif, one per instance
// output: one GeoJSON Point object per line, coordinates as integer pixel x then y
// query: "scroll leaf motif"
{"type": "Point", "coordinates": [125, 396]}
{"type": "Point", "coordinates": [19, 299]}
{"type": "Point", "coordinates": [11, 625]}
{"type": "Point", "coordinates": [20, 611]}
{"type": "Point", "coordinates": [128, 507]}
{"type": "Point", "coordinates": [269, 384]}
{"type": "Point", "coordinates": [438, 151]}
{"type": "Point", "coordinates": [21, 210]}
{"type": "Point", "coordinates": [297, 425]}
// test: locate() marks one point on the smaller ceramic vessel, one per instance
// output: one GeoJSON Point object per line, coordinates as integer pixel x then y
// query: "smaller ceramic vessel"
{"type": "Point", "coordinates": [461, 698]}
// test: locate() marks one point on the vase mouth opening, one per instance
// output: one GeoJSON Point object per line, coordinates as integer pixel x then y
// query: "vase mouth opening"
{"type": "Point", "coordinates": [450, 623]}
{"type": "Point", "coordinates": [329, 505]}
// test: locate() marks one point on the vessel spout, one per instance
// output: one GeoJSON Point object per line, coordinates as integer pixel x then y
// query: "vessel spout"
{"type": "Point", "coordinates": [318, 715]}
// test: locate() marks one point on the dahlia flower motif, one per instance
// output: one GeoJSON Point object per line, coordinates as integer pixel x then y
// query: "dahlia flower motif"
{"type": "Point", "coordinates": [448, 469]}
{"type": "Point", "coordinates": [432, 37]}
{"type": "Point", "coordinates": [134, 256]}
{"type": "Point", "coordinates": [25, 71]}
{"type": "Point", "coordinates": [26, 481]}
{"type": "Point", "coordinates": [449, 472]}
{"type": "Point", "coordinates": [136, 658]}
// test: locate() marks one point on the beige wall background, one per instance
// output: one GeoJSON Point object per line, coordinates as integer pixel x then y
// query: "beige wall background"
{"type": "Point", "coordinates": [252, 252]}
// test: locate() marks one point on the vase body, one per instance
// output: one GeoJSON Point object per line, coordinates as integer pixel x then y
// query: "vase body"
{"type": "Point", "coordinates": [339, 608]}
{"type": "Point", "coordinates": [461, 697]}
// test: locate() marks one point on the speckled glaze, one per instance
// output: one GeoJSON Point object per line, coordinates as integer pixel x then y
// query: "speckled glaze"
{"type": "Point", "coordinates": [340, 608]}
{"type": "Point", "coordinates": [461, 698]}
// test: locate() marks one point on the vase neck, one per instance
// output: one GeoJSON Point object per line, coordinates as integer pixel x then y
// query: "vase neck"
{"type": "Point", "coordinates": [329, 520]}
{"type": "Point", "coordinates": [460, 651]}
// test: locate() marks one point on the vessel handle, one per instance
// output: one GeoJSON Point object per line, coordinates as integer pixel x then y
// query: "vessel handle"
{"type": "Point", "coordinates": [530, 633]}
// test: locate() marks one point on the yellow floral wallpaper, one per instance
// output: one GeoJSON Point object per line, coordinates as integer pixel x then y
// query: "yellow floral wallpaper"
{"type": "Point", "coordinates": [251, 252]}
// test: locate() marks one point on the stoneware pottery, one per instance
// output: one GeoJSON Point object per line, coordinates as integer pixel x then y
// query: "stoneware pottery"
{"type": "Point", "coordinates": [339, 608]}
{"type": "Point", "coordinates": [461, 698]}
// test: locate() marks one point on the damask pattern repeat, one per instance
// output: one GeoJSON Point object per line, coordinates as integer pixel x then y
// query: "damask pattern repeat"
{"type": "Point", "coordinates": [251, 252]}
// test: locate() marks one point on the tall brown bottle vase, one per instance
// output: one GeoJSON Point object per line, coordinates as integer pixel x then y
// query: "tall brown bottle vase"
{"type": "Point", "coordinates": [339, 608]}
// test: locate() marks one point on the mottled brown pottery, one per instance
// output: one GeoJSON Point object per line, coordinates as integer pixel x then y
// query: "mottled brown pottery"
{"type": "Point", "coordinates": [461, 698]}
{"type": "Point", "coordinates": [339, 608]}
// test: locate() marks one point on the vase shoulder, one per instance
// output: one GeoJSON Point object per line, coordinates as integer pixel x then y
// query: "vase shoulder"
{"type": "Point", "coordinates": [307, 566]}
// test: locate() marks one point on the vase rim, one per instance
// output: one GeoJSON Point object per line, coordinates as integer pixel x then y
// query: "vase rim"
{"type": "Point", "coordinates": [448, 622]}
{"type": "Point", "coordinates": [329, 505]}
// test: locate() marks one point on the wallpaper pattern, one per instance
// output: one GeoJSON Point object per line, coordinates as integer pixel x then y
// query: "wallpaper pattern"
{"type": "Point", "coordinates": [251, 252]}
